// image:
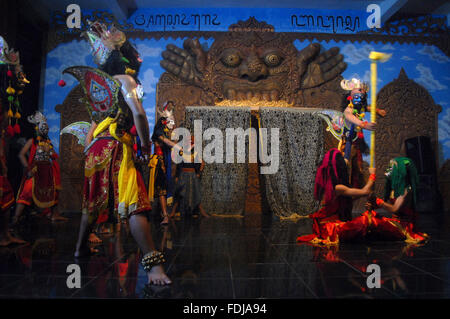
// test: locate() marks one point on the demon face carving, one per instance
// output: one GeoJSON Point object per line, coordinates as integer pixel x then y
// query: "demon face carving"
{"type": "Point", "coordinates": [253, 65]}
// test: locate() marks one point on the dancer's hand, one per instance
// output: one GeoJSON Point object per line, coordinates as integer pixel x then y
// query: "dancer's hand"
{"type": "Point", "coordinates": [371, 126]}
{"type": "Point", "coordinates": [372, 170]}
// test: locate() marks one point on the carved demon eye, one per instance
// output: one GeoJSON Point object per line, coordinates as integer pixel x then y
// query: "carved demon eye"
{"type": "Point", "coordinates": [273, 59]}
{"type": "Point", "coordinates": [231, 58]}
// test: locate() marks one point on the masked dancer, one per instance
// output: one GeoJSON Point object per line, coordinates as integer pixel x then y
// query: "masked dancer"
{"type": "Point", "coordinates": [353, 144]}
{"type": "Point", "coordinates": [42, 179]}
{"type": "Point", "coordinates": [113, 100]}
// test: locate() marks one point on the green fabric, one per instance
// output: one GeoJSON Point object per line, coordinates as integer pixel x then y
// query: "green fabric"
{"type": "Point", "coordinates": [403, 175]}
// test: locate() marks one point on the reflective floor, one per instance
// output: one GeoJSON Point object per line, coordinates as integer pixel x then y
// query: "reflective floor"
{"type": "Point", "coordinates": [251, 257]}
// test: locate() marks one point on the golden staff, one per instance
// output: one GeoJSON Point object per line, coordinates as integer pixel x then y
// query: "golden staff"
{"type": "Point", "coordinates": [374, 57]}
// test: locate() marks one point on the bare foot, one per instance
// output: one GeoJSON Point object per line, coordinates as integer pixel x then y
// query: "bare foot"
{"type": "Point", "coordinates": [58, 218]}
{"type": "Point", "coordinates": [157, 276]}
{"type": "Point", "coordinates": [165, 221]}
{"type": "Point", "coordinates": [15, 240]}
{"type": "Point", "coordinates": [93, 239]}
{"type": "Point", "coordinates": [5, 242]}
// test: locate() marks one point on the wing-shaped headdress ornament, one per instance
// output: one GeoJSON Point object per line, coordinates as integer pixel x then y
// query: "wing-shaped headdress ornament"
{"type": "Point", "coordinates": [101, 91]}
{"type": "Point", "coordinates": [7, 55]}
{"type": "Point", "coordinates": [103, 40]}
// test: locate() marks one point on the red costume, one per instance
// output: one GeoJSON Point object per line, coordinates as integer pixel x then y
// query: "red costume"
{"type": "Point", "coordinates": [43, 187]}
{"type": "Point", "coordinates": [329, 226]}
{"type": "Point", "coordinates": [100, 178]}
{"type": "Point", "coordinates": [6, 191]}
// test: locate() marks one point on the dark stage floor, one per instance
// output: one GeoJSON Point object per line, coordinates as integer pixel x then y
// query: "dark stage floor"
{"type": "Point", "coordinates": [251, 257]}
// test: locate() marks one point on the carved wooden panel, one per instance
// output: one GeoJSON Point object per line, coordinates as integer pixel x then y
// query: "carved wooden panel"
{"type": "Point", "coordinates": [71, 153]}
{"type": "Point", "coordinates": [411, 112]}
{"type": "Point", "coordinates": [444, 184]}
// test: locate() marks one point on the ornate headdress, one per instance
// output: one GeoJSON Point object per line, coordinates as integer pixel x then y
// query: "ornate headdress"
{"type": "Point", "coordinates": [168, 114]}
{"type": "Point", "coordinates": [103, 41]}
{"type": "Point", "coordinates": [37, 118]}
{"type": "Point", "coordinates": [7, 55]}
{"type": "Point", "coordinates": [353, 84]}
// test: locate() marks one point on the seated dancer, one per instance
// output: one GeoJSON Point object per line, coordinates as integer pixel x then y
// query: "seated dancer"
{"type": "Point", "coordinates": [42, 180]}
{"type": "Point", "coordinates": [400, 192]}
{"type": "Point", "coordinates": [114, 104]}
{"type": "Point", "coordinates": [161, 162]}
{"type": "Point", "coordinates": [187, 179]}
{"type": "Point", "coordinates": [370, 225]}
{"type": "Point", "coordinates": [353, 144]}
{"type": "Point", "coordinates": [332, 188]}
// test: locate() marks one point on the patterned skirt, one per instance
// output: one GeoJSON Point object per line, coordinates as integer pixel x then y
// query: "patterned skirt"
{"type": "Point", "coordinates": [101, 182]}
{"type": "Point", "coordinates": [100, 192]}
{"type": "Point", "coordinates": [42, 188]}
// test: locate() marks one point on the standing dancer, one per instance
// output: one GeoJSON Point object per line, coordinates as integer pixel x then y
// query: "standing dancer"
{"type": "Point", "coordinates": [161, 162]}
{"type": "Point", "coordinates": [354, 114]}
{"type": "Point", "coordinates": [188, 189]}
{"type": "Point", "coordinates": [113, 102]}
{"type": "Point", "coordinates": [42, 181]}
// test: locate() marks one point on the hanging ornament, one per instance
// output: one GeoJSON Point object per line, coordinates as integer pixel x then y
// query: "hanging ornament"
{"type": "Point", "coordinates": [16, 128]}
{"type": "Point", "coordinates": [9, 73]}
{"type": "Point", "coordinates": [10, 90]}
{"type": "Point", "coordinates": [10, 131]}
{"type": "Point", "coordinates": [62, 83]}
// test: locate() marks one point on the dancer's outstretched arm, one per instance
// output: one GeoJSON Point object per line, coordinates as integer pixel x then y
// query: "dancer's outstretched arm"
{"type": "Point", "coordinates": [356, 192]}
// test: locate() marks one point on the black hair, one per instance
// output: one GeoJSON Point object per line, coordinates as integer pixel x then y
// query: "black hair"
{"type": "Point", "coordinates": [158, 130]}
{"type": "Point", "coordinates": [342, 170]}
{"type": "Point", "coordinates": [121, 59]}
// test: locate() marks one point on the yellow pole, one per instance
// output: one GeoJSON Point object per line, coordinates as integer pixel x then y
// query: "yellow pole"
{"type": "Point", "coordinates": [373, 108]}
{"type": "Point", "coordinates": [374, 57]}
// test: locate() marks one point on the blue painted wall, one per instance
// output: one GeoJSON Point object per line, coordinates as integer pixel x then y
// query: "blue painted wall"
{"type": "Point", "coordinates": [426, 65]}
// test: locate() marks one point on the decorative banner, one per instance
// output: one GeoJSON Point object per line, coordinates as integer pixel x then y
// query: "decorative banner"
{"type": "Point", "coordinates": [218, 19]}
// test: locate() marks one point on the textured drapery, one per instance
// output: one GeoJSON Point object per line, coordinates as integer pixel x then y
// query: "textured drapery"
{"type": "Point", "coordinates": [223, 184]}
{"type": "Point", "coordinates": [290, 190]}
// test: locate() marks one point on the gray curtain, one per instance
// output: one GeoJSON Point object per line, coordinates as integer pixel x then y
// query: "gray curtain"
{"type": "Point", "coordinates": [223, 185]}
{"type": "Point", "coordinates": [290, 190]}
